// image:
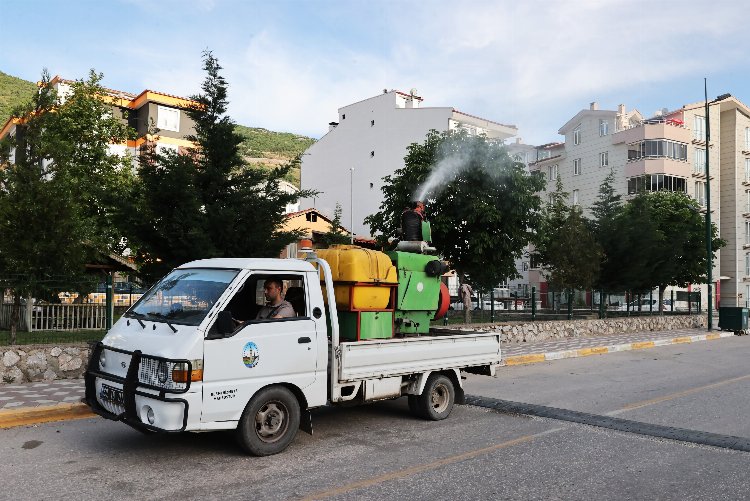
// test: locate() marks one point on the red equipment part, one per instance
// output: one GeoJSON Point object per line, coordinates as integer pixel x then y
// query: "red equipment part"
{"type": "Point", "coordinates": [444, 301]}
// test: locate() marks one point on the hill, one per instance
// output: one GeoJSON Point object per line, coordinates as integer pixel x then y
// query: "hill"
{"type": "Point", "coordinates": [261, 147]}
{"type": "Point", "coordinates": [13, 92]}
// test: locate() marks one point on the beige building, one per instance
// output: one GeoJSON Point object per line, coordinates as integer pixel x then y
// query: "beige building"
{"type": "Point", "coordinates": [665, 152]}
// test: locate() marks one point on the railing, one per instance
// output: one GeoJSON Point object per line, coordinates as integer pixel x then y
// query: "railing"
{"type": "Point", "coordinates": [655, 121]}
{"type": "Point", "coordinates": [57, 317]}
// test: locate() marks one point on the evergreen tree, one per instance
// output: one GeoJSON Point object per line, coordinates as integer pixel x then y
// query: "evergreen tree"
{"type": "Point", "coordinates": [605, 210]}
{"type": "Point", "coordinates": [221, 206]}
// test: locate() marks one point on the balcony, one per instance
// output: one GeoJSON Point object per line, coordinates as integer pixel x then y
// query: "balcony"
{"type": "Point", "coordinates": [654, 129]}
{"type": "Point", "coordinates": [658, 165]}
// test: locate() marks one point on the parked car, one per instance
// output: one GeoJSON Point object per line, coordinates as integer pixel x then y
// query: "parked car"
{"type": "Point", "coordinates": [646, 305]}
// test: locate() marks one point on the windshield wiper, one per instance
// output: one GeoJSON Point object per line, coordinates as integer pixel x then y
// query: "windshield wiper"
{"type": "Point", "coordinates": [138, 317]}
{"type": "Point", "coordinates": [162, 315]}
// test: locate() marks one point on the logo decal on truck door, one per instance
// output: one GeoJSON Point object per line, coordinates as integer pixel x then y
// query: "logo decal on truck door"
{"type": "Point", "coordinates": [250, 355]}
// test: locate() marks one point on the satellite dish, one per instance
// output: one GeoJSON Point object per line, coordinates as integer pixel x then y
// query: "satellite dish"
{"type": "Point", "coordinates": [413, 92]}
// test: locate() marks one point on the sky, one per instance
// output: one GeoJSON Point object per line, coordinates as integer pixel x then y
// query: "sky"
{"type": "Point", "coordinates": [291, 64]}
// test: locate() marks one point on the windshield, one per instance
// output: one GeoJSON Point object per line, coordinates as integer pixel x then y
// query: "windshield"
{"type": "Point", "coordinates": [183, 297]}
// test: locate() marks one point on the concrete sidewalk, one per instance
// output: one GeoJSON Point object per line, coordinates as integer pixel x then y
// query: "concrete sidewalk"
{"type": "Point", "coordinates": [30, 403]}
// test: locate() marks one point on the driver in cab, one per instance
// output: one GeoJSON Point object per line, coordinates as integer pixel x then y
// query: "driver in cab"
{"type": "Point", "coordinates": [276, 306]}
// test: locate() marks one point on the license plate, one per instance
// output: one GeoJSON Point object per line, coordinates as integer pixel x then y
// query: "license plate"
{"type": "Point", "coordinates": [111, 394]}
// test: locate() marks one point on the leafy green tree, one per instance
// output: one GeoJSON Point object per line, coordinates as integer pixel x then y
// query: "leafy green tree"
{"type": "Point", "coordinates": [482, 205]}
{"type": "Point", "coordinates": [663, 242]}
{"type": "Point", "coordinates": [58, 194]}
{"type": "Point", "coordinates": [565, 246]}
{"type": "Point", "coordinates": [220, 206]}
{"type": "Point", "coordinates": [336, 235]}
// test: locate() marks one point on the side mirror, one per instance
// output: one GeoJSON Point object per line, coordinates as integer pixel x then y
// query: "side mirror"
{"type": "Point", "coordinates": [224, 322]}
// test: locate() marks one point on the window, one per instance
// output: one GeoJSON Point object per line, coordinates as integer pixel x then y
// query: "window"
{"type": "Point", "coordinates": [168, 118]}
{"type": "Point", "coordinates": [655, 148]}
{"type": "Point", "coordinates": [372, 153]}
{"type": "Point", "coordinates": [747, 170]}
{"type": "Point", "coordinates": [603, 127]}
{"type": "Point", "coordinates": [699, 167]}
{"type": "Point", "coordinates": [541, 155]}
{"type": "Point", "coordinates": [747, 232]}
{"type": "Point", "coordinates": [525, 266]}
{"type": "Point", "coordinates": [343, 116]}
{"type": "Point", "coordinates": [577, 167]}
{"type": "Point", "coordinates": [747, 265]}
{"type": "Point", "coordinates": [575, 197]}
{"type": "Point", "coordinates": [577, 135]}
{"type": "Point", "coordinates": [747, 138]}
{"type": "Point", "coordinates": [699, 129]}
{"type": "Point", "coordinates": [747, 201]}
{"type": "Point", "coordinates": [372, 123]}
{"type": "Point", "coordinates": [656, 182]}
{"type": "Point", "coordinates": [604, 159]}
{"type": "Point", "coordinates": [747, 295]}
{"type": "Point", "coordinates": [700, 193]}
{"type": "Point", "coordinates": [552, 173]}
{"type": "Point", "coordinates": [312, 217]}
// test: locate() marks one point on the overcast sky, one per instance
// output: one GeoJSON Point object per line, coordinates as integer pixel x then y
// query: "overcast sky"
{"type": "Point", "coordinates": [292, 64]}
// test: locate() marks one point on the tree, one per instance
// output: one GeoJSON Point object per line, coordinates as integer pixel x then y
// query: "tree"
{"type": "Point", "coordinates": [605, 210]}
{"type": "Point", "coordinates": [663, 242]}
{"type": "Point", "coordinates": [565, 245]}
{"type": "Point", "coordinates": [481, 204]}
{"type": "Point", "coordinates": [58, 197]}
{"type": "Point", "coordinates": [221, 206]}
{"type": "Point", "coordinates": [336, 235]}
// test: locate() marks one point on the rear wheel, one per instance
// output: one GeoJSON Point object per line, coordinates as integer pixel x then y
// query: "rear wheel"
{"type": "Point", "coordinates": [269, 422]}
{"type": "Point", "coordinates": [436, 401]}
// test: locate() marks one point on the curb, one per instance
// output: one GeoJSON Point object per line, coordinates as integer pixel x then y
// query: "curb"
{"type": "Point", "coordinates": [600, 350]}
{"type": "Point", "coordinates": [35, 415]}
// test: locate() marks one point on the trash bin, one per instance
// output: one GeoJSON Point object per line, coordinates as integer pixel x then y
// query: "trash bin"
{"type": "Point", "coordinates": [734, 318]}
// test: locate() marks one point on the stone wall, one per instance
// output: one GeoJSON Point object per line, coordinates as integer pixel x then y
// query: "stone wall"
{"type": "Point", "coordinates": [20, 364]}
{"type": "Point", "coordinates": [47, 362]}
{"type": "Point", "coordinates": [520, 332]}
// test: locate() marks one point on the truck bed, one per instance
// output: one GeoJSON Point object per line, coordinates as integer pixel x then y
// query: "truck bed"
{"type": "Point", "coordinates": [393, 357]}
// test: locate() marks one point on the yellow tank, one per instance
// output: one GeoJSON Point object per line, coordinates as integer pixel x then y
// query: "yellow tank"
{"type": "Point", "coordinates": [363, 278]}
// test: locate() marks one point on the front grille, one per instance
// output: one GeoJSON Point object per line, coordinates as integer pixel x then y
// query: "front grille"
{"type": "Point", "coordinates": [112, 407]}
{"type": "Point", "coordinates": [149, 373]}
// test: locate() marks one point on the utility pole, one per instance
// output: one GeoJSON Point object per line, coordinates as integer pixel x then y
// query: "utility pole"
{"type": "Point", "coordinates": [351, 202]}
{"type": "Point", "coordinates": [709, 278]}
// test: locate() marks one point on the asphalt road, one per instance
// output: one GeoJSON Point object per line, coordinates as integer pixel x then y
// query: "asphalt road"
{"type": "Point", "coordinates": [379, 451]}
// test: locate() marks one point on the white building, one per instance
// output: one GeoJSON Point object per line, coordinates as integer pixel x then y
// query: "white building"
{"type": "Point", "coordinates": [370, 141]}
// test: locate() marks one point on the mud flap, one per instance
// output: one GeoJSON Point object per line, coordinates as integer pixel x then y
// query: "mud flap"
{"type": "Point", "coordinates": [305, 422]}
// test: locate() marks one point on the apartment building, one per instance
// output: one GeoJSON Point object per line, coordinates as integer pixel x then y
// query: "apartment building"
{"type": "Point", "coordinates": [667, 151]}
{"type": "Point", "coordinates": [370, 141]}
{"type": "Point", "coordinates": [142, 111]}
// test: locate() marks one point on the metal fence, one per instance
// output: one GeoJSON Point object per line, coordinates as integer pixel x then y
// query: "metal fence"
{"type": "Point", "coordinates": [56, 317]}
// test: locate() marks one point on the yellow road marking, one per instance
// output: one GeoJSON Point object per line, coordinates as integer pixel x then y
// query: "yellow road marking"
{"type": "Point", "coordinates": [713, 336]}
{"type": "Point", "coordinates": [394, 475]}
{"type": "Point", "coordinates": [679, 340]}
{"type": "Point", "coordinates": [642, 345]}
{"type": "Point", "coordinates": [35, 415]}
{"type": "Point", "coordinates": [672, 396]}
{"type": "Point", "coordinates": [596, 350]}
{"type": "Point", "coordinates": [524, 359]}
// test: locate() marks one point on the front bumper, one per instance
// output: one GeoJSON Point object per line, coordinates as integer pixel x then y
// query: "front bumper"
{"type": "Point", "coordinates": [171, 412]}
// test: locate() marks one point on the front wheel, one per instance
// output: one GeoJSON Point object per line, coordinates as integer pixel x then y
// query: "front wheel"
{"type": "Point", "coordinates": [436, 401]}
{"type": "Point", "coordinates": [269, 422]}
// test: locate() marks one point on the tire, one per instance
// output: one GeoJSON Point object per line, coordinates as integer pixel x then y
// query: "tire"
{"type": "Point", "coordinates": [270, 422]}
{"type": "Point", "coordinates": [436, 401]}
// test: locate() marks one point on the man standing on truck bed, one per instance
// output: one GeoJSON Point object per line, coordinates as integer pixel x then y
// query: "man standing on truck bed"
{"type": "Point", "coordinates": [275, 307]}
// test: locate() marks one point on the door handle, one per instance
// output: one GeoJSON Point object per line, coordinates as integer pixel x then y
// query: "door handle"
{"type": "Point", "coordinates": [304, 339]}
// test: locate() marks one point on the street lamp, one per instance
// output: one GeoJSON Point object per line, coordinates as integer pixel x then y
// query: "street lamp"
{"type": "Point", "coordinates": [351, 203]}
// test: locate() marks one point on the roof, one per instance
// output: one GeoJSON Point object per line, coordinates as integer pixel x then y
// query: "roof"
{"type": "Point", "coordinates": [260, 264]}
{"type": "Point", "coordinates": [578, 116]}
{"type": "Point", "coordinates": [305, 211]}
{"type": "Point", "coordinates": [484, 119]}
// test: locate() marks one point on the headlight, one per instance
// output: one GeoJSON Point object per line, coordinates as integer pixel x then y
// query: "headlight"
{"type": "Point", "coordinates": [162, 372]}
{"type": "Point", "coordinates": [102, 360]}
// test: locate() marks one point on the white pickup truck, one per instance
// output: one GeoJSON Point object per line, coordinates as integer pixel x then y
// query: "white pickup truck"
{"type": "Point", "coordinates": [175, 361]}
